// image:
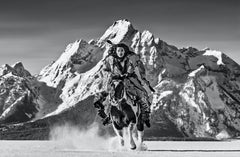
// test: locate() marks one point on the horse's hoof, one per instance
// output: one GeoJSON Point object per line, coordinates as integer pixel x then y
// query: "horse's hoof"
{"type": "Point", "coordinates": [122, 142]}
{"type": "Point", "coordinates": [133, 148]}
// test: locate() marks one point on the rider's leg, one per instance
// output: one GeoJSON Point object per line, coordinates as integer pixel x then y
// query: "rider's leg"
{"type": "Point", "coordinates": [141, 100]}
{"type": "Point", "coordinates": [145, 111]}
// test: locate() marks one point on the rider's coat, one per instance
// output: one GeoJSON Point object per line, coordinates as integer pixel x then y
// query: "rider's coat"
{"type": "Point", "coordinates": [132, 68]}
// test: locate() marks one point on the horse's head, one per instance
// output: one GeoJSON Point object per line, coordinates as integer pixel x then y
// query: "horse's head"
{"type": "Point", "coordinates": [117, 94]}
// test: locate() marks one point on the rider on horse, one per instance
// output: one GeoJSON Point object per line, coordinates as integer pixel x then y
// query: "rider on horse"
{"type": "Point", "coordinates": [126, 71]}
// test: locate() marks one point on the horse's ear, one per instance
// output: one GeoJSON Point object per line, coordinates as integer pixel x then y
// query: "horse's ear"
{"type": "Point", "coordinates": [109, 42]}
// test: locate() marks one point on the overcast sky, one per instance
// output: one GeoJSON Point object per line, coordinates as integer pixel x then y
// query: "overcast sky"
{"type": "Point", "coordinates": [36, 32]}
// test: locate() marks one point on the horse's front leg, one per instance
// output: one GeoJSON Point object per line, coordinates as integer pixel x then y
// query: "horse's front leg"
{"type": "Point", "coordinates": [119, 133]}
{"type": "Point", "coordinates": [140, 136]}
{"type": "Point", "coordinates": [140, 133]}
{"type": "Point", "coordinates": [130, 133]}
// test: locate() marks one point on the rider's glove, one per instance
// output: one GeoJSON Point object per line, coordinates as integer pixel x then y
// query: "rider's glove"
{"type": "Point", "coordinates": [106, 121]}
{"type": "Point", "coordinates": [102, 114]}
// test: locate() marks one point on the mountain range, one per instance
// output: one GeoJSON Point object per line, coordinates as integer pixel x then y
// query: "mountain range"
{"type": "Point", "coordinates": [197, 91]}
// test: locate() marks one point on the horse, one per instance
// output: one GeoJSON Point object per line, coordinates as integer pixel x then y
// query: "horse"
{"type": "Point", "coordinates": [125, 115]}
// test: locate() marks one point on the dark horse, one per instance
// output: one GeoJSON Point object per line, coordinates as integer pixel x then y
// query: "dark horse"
{"type": "Point", "coordinates": [126, 116]}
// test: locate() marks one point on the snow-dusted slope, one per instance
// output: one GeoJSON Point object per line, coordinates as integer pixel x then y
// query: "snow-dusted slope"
{"type": "Point", "coordinates": [78, 57]}
{"type": "Point", "coordinates": [73, 76]}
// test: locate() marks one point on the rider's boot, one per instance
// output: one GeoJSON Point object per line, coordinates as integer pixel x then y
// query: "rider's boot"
{"type": "Point", "coordinates": [145, 112]}
{"type": "Point", "coordinates": [146, 118]}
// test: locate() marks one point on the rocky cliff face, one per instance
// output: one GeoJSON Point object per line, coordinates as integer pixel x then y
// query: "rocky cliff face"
{"type": "Point", "coordinates": [17, 94]}
{"type": "Point", "coordinates": [197, 91]}
{"type": "Point", "coordinates": [205, 103]}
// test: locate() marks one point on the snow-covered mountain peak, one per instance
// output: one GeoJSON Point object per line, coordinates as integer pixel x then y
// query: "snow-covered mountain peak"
{"type": "Point", "coordinates": [118, 31]}
{"type": "Point", "coordinates": [70, 50]}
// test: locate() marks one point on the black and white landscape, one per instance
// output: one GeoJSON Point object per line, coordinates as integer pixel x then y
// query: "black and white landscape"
{"type": "Point", "coordinates": [51, 68]}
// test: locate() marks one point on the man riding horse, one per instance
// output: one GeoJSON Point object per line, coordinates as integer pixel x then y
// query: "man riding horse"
{"type": "Point", "coordinates": [127, 73]}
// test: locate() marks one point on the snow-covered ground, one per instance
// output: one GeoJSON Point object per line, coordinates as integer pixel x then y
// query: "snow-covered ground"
{"type": "Point", "coordinates": [156, 148]}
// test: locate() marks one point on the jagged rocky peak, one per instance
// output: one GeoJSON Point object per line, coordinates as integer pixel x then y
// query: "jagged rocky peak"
{"type": "Point", "coordinates": [18, 103]}
{"type": "Point", "coordinates": [18, 65]}
{"type": "Point", "coordinates": [17, 94]}
{"type": "Point", "coordinates": [16, 69]}
{"type": "Point", "coordinates": [147, 37]}
{"type": "Point", "coordinates": [21, 71]}
{"type": "Point", "coordinates": [4, 69]}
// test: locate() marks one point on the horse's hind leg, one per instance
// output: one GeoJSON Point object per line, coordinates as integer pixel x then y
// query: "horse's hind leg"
{"type": "Point", "coordinates": [130, 133]}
